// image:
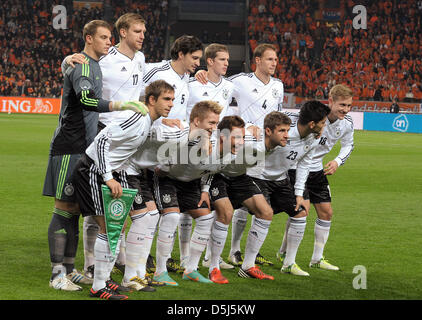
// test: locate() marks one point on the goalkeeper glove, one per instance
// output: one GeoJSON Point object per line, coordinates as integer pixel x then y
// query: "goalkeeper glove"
{"type": "Point", "coordinates": [136, 106]}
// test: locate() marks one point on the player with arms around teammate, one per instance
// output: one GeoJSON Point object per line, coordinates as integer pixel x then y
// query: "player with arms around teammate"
{"type": "Point", "coordinates": [271, 176]}
{"type": "Point", "coordinates": [185, 52]}
{"type": "Point", "coordinates": [178, 189]}
{"type": "Point", "coordinates": [123, 69]}
{"type": "Point", "coordinates": [124, 65]}
{"type": "Point", "coordinates": [339, 127]}
{"type": "Point", "coordinates": [217, 88]}
{"type": "Point", "coordinates": [78, 119]}
{"type": "Point", "coordinates": [257, 94]}
{"type": "Point", "coordinates": [104, 163]}
{"type": "Point", "coordinates": [277, 126]}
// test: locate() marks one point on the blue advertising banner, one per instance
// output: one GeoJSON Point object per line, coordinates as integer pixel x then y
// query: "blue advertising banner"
{"type": "Point", "coordinates": [395, 122]}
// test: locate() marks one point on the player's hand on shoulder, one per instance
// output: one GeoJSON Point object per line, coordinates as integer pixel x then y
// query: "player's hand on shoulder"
{"type": "Point", "coordinates": [202, 76]}
{"type": "Point", "coordinates": [76, 58]}
{"type": "Point", "coordinates": [255, 131]}
{"type": "Point", "coordinates": [173, 123]}
{"type": "Point", "coordinates": [136, 106]}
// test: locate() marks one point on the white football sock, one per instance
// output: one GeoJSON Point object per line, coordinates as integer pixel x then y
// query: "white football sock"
{"type": "Point", "coordinates": [207, 255]}
{"type": "Point", "coordinates": [294, 238]}
{"type": "Point", "coordinates": [90, 231]}
{"type": "Point", "coordinates": [283, 247]}
{"type": "Point", "coordinates": [185, 230]}
{"type": "Point", "coordinates": [200, 236]}
{"type": "Point", "coordinates": [240, 218]}
{"type": "Point", "coordinates": [256, 237]}
{"type": "Point", "coordinates": [104, 261]}
{"type": "Point", "coordinates": [135, 245]}
{"type": "Point", "coordinates": [166, 232]}
{"type": "Point", "coordinates": [151, 220]}
{"type": "Point", "coordinates": [217, 241]}
{"type": "Point", "coordinates": [121, 258]}
{"type": "Point", "coordinates": [321, 232]}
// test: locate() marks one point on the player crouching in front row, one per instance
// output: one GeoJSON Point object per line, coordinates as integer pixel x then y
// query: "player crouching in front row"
{"type": "Point", "coordinates": [102, 164]}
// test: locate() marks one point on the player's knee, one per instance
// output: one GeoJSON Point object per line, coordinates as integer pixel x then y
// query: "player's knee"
{"type": "Point", "coordinates": [265, 213]}
{"type": "Point", "coordinates": [325, 212]}
{"type": "Point", "coordinates": [71, 207]}
{"type": "Point", "coordinates": [301, 214]}
{"type": "Point", "coordinates": [224, 216]}
{"type": "Point", "coordinates": [101, 223]}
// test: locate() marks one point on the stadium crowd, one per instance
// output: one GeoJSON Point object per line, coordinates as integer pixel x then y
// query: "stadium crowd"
{"type": "Point", "coordinates": [30, 58]}
{"type": "Point", "coordinates": [382, 62]}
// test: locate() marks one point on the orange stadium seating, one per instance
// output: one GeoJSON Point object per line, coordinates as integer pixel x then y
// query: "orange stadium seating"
{"type": "Point", "coordinates": [381, 63]}
{"type": "Point", "coordinates": [31, 49]}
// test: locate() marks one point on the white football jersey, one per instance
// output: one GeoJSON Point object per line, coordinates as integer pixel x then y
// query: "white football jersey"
{"type": "Point", "coordinates": [122, 81]}
{"type": "Point", "coordinates": [164, 71]}
{"type": "Point", "coordinates": [338, 130]}
{"type": "Point", "coordinates": [153, 152]}
{"type": "Point", "coordinates": [297, 153]}
{"type": "Point", "coordinates": [221, 92]}
{"type": "Point", "coordinates": [113, 145]}
{"type": "Point", "coordinates": [199, 166]}
{"type": "Point", "coordinates": [256, 99]}
{"type": "Point", "coordinates": [196, 166]}
{"type": "Point", "coordinates": [249, 155]}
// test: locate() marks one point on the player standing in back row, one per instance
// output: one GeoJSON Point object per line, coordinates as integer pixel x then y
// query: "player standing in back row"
{"type": "Point", "coordinates": [78, 120]}
{"type": "Point", "coordinates": [123, 70]}
{"type": "Point", "coordinates": [257, 94]}
{"type": "Point", "coordinates": [219, 89]}
{"type": "Point", "coordinates": [185, 53]}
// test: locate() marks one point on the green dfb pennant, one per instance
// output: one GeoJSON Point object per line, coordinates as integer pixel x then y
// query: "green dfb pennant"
{"type": "Point", "coordinates": [115, 213]}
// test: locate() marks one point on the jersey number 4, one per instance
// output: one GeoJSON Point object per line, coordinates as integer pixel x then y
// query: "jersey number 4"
{"type": "Point", "coordinates": [264, 105]}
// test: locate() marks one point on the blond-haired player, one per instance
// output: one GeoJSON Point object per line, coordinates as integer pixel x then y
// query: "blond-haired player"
{"type": "Point", "coordinates": [339, 127]}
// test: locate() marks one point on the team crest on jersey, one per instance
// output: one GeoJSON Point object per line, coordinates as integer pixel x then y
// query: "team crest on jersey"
{"type": "Point", "coordinates": [306, 147]}
{"type": "Point", "coordinates": [215, 192]}
{"type": "Point", "coordinates": [166, 198]}
{"type": "Point", "coordinates": [69, 189]}
{"type": "Point", "coordinates": [338, 132]}
{"type": "Point", "coordinates": [85, 84]}
{"type": "Point", "coordinates": [225, 94]}
{"type": "Point", "coordinates": [275, 93]}
{"type": "Point", "coordinates": [138, 199]}
{"type": "Point", "coordinates": [140, 66]}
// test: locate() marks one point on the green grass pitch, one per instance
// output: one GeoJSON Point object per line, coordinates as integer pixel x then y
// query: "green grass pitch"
{"type": "Point", "coordinates": [376, 225]}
